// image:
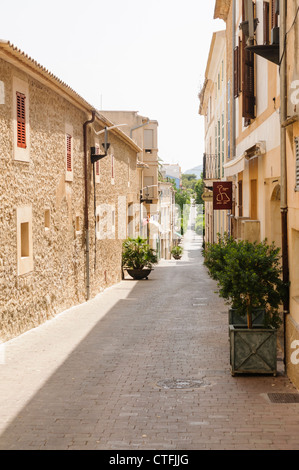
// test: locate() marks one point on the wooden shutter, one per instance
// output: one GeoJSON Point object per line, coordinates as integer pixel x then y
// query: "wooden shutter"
{"type": "Point", "coordinates": [236, 71]}
{"type": "Point", "coordinates": [21, 120]}
{"type": "Point", "coordinates": [266, 24]}
{"type": "Point", "coordinates": [248, 97]}
{"type": "Point", "coordinates": [69, 163]}
{"type": "Point", "coordinates": [297, 161]}
{"type": "Point", "coordinates": [97, 168]}
{"type": "Point", "coordinates": [274, 15]}
{"type": "Point", "coordinates": [240, 197]}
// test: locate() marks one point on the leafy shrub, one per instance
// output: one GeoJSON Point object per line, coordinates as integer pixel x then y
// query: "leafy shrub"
{"type": "Point", "coordinates": [137, 254]}
{"type": "Point", "coordinates": [248, 276]}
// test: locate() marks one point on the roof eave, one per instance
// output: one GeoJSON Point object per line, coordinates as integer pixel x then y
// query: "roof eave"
{"type": "Point", "coordinates": [16, 57]}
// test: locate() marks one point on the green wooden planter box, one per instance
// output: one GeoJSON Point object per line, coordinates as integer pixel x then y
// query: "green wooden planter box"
{"type": "Point", "coordinates": [258, 317]}
{"type": "Point", "coordinates": [253, 351]}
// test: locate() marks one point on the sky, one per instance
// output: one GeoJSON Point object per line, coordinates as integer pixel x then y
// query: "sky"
{"type": "Point", "coordinates": [134, 55]}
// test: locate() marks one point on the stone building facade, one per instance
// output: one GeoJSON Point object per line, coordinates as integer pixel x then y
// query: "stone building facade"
{"type": "Point", "coordinates": [213, 106]}
{"type": "Point", "coordinates": [290, 169]}
{"type": "Point", "coordinates": [144, 131]}
{"type": "Point", "coordinates": [264, 158]}
{"type": "Point", "coordinates": [62, 224]}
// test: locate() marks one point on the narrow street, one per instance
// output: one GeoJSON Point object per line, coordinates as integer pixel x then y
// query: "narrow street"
{"type": "Point", "coordinates": [145, 365]}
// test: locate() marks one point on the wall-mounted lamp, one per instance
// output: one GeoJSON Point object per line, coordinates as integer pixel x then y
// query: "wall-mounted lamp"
{"type": "Point", "coordinates": [95, 155]}
{"type": "Point", "coordinates": [94, 151]}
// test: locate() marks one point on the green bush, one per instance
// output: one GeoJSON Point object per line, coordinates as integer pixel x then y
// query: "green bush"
{"type": "Point", "coordinates": [248, 276]}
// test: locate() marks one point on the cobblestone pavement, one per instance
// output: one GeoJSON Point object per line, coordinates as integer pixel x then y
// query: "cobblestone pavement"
{"type": "Point", "coordinates": [144, 365]}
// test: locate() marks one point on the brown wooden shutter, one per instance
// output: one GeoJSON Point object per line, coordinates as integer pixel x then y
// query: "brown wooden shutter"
{"type": "Point", "coordinates": [266, 24]}
{"type": "Point", "coordinates": [97, 168]}
{"type": "Point", "coordinates": [248, 97]}
{"type": "Point", "coordinates": [240, 194]}
{"type": "Point", "coordinates": [236, 71]}
{"type": "Point", "coordinates": [112, 166]}
{"type": "Point", "coordinates": [21, 120]}
{"type": "Point", "coordinates": [274, 15]}
{"type": "Point", "coordinates": [69, 165]}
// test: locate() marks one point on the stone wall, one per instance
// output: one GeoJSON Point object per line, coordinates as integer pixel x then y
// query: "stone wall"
{"type": "Point", "coordinates": [56, 207]}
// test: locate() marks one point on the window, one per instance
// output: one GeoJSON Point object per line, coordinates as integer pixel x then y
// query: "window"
{"type": "Point", "coordinates": [112, 169]}
{"type": "Point", "coordinates": [47, 219]}
{"type": "Point", "coordinates": [274, 14]}
{"type": "Point", "coordinates": [97, 168]}
{"type": "Point", "coordinates": [69, 163]}
{"type": "Point", "coordinates": [248, 82]}
{"type": "Point", "coordinates": [240, 198]}
{"type": "Point", "coordinates": [21, 120]}
{"type": "Point", "coordinates": [237, 69]}
{"type": "Point", "coordinates": [228, 119]}
{"type": "Point", "coordinates": [219, 149]}
{"type": "Point", "coordinates": [129, 172]}
{"type": "Point", "coordinates": [113, 221]}
{"type": "Point", "coordinates": [222, 143]}
{"type": "Point", "coordinates": [24, 240]}
{"type": "Point", "coordinates": [297, 163]}
{"type": "Point", "coordinates": [148, 139]}
{"type": "Point", "coordinates": [97, 165]}
{"type": "Point", "coordinates": [253, 199]}
{"type": "Point", "coordinates": [105, 222]}
{"type": "Point", "coordinates": [69, 150]}
{"type": "Point", "coordinates": [2, 93]}
{"type": "Point", "coordinates": [266, 25]}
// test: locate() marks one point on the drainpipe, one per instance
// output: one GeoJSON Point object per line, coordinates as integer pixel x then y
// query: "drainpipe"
{"type": "Point", "coordinates": [233, 150]}
{"type": "Point", "coordinates": [283, 200]}
{"type": "Point", "coordinates": [233, 107]}
{"type": "Point", "coordinates": [86, 219]}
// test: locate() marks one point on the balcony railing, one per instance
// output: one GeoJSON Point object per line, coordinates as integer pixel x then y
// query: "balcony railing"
{"type": "Point", "coordinates": [211, 166]}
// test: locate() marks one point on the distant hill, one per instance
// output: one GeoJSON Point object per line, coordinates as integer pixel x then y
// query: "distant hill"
{"type": "Point", "coordinates": [194, 171]}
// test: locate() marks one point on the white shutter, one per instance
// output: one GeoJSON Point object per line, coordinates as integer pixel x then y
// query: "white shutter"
{"type": "Point", "coordinates": [148, 139]}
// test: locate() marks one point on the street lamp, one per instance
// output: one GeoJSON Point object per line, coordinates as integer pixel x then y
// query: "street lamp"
{"type": "Point", "coordinates": [94, 154]}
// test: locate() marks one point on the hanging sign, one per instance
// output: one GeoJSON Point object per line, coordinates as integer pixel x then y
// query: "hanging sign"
{"type": "Point", "coordinates": [222, 195]}
{"type": "Point", "coordinates": [207, 196]}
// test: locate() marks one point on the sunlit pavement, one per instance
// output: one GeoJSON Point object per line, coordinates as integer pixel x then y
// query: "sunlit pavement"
{"type": "Point", "coordinates": [145, 365]}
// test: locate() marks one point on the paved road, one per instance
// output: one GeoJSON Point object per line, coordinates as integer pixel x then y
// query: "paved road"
{"type": "Point", "coordinates": [145, 365]}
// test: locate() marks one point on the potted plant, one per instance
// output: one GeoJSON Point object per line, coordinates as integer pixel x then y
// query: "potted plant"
{"type": "Point", "coordinates": [177, 252]}
{"type": "Point", "coordinates": [216, 256]}
{"type": "Point", "coordinates": [138, 257]}
{"type": "Point", "coordinates": [250, 278]}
